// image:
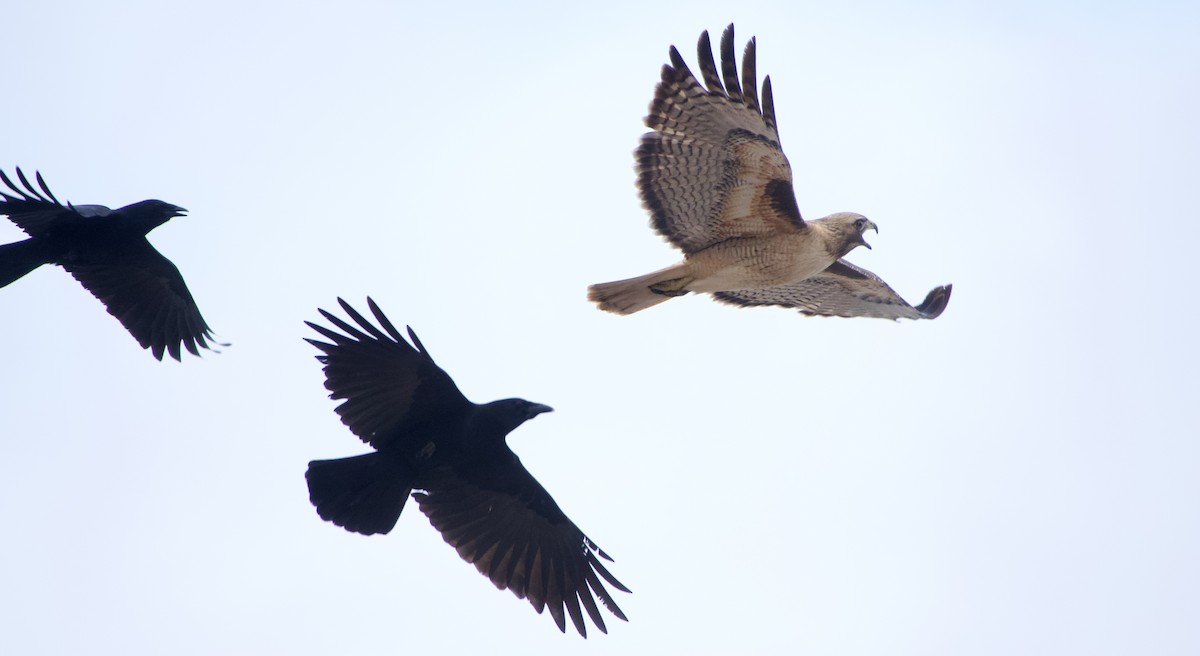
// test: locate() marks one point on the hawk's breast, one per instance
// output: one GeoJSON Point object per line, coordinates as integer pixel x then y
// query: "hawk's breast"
{"type": "Point", "coordinates": [757, 262]}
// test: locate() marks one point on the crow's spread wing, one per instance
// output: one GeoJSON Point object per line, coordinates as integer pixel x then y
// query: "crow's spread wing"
{"type": "Point", "coordinates": [35, 209]}
{"type": "Point", "coordinates": [146, 292]}
{"type": "Point", "coordinates": [389, 386]}
{"type": "Point", "coordinates": [505, 523]}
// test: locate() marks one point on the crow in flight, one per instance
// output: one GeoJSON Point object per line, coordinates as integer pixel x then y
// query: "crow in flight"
{"type": "Point", "coordinates": [107, 251]}
{"type": "Point", "coordinates": [428, 437]}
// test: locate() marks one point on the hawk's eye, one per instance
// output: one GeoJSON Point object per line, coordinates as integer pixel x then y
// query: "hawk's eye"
{"type": "Point", "coordinates": [859, 223]}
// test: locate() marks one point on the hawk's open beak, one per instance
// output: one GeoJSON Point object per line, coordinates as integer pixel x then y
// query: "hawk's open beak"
{"type": "Point", "coordinates": [869, 225]}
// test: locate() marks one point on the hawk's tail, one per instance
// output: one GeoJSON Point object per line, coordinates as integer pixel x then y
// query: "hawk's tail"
{"type": "Point", "coordinates": [637, 294]}
{"type": "Point", "coordinates": [363, 494]}
{"type": "Point", "coordinates": [19, 258]}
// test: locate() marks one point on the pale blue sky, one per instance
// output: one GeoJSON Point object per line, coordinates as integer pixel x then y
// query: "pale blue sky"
{"type": "Point", "coordinates": [1019, 476]}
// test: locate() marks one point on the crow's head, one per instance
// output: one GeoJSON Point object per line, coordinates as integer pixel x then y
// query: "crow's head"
{"type": "Point", "coordinates": [507, 414]}
{"type": "Point", "coordinates": [149, 214]}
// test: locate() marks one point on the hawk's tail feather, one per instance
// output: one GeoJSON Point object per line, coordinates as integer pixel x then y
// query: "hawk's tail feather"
{"type": "Point", "coordinates": [363, 494]}
{"type": "Point", "coordinates": [637, 294]}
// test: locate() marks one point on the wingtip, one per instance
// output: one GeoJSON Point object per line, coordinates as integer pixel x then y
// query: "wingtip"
{"type": "Point", "coordinates": [27, 191]}
{"type": "Point", "coordinates": [417, 342]}
{"type": "Point", "coordinates": [676, 59]}
{"type": "Point", "coordinates": [935, 301]}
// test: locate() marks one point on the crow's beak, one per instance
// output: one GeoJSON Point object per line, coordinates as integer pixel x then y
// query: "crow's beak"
{"type": "Point", "coordinates": [179, 211]}
{"type": "Point", "coordinates": [536, 409]}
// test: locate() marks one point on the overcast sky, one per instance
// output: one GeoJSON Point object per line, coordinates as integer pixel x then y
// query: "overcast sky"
{"type": "Point", "coordinates": [1019, 476]}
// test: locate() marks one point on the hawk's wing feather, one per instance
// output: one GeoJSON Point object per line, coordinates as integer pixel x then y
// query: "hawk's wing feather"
{"type": "Point", "coordinates": [842, 290]}
{"type": "Point", "coordinates": [712, 167]}
{"type": "Point", "coordinates": [146, 293]}
{"type": "Point", "coordinates": [768, 104]}
{"type": "Point", "coordinates": [749, 76]}
{"type": "Point", "coordinates": [708, 67]}
{"type": "Point", "coordinates": [729, 66]}
{"type": "Point", "coordinates": [506, 524]}
{"type": "Point", "coordinates": [389, 386]}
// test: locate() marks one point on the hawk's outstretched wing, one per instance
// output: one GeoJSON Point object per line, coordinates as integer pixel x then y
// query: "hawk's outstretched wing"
{"type": "Point", "coordinates": [842, 290]}
{"type": "Point", "coordinates": [713, 168]}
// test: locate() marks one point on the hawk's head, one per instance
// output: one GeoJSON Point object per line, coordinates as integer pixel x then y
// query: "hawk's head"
{"type": "Point", "coordinates": [846, 230]}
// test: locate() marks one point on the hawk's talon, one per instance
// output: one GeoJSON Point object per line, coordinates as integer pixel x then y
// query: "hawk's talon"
{"type": "Point", "coordinates": [671, 287]}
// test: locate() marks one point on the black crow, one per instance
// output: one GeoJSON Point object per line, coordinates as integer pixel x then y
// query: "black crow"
{"type": "Point", "coordinates": [428, 437]}
{"type": "Point", "coordinates": [107, 251]}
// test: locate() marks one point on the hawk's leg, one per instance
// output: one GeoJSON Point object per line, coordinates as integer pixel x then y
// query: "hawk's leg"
{"type": "Point", "coordinates": [672, 287]}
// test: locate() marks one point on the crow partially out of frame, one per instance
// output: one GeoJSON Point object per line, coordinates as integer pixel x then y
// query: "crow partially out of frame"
{"type": "Point", "coordinates": [107, 252]}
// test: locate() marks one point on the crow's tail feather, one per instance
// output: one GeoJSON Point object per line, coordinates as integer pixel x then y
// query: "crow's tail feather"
{"type": "Point", "coordinates": [363, 494]}
{"type": "Point", "coordinates": [18, 259]}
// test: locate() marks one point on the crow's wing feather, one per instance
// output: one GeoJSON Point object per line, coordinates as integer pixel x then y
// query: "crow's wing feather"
{"type": "Point", "coordinates": [34, 208]}
{"type": "Point", "coordinates": [388, 386]}
{"type": "Point", "coordinates": [506, 524]}
{"type": "Point", "coordinates": [146, 292]}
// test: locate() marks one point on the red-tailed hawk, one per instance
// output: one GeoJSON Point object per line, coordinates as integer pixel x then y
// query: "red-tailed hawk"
{"type": "Point", "coordinates": [718, 186]}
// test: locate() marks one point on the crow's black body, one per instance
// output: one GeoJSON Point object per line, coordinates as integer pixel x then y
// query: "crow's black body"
{"type": "Point", "coordinates": [429, 437]}
{"type": "Point", "coordinates": [106, 251]}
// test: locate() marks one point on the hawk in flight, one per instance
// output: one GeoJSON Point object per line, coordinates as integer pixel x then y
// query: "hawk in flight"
{"type": "Point", "coordinates": [107, 252]}
{"type": "Point", "coordinates": [429, 438]}
{"type": "Point", "coordinates": [718, 186]}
